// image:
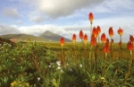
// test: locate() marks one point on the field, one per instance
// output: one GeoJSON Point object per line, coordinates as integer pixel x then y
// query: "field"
{"type": "Point", "coordinates": [99, 62]}
{"type": "Point", "coordinates": [34, 64]}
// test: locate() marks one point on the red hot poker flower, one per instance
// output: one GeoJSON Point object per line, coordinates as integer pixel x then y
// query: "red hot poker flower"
{"type": "Point", "coordinates": [120, 31]}
{"type": "Point", "coordinates": [91, 17]}
{"type": "Point", "coordinates": [131, 38]}
{"type": "Point", "coordinates": [130, 46]}
{"type": "Point", "coordinates": [107, 40]}
{"type": "Point", "coordinates": [111, 32]}
{"type": "Point", "coordinates": [74, 37]}
{"type": "Point", "coordinates": [62, 41]}
{"type": "Point", "coordinates": [98, 29]}
{"type": "Point", "coordinates": [81, 34]}
{"type": "Point", "coordinates": [95, 32]}
{"type": "Point", "coordinates": [85, 38]}
{"type": "Point", "coordinates": [103, 38]}
{"type": "Point", "coordinates": [106, 47]}
{"type": "Point", "coordinates": [93, 40]}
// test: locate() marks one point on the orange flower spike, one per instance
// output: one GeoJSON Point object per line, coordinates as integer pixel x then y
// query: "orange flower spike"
{"type": "Point", "coordinates": [111, 32]}
{"type": "Point", "coordinates": [120, 31]}
{"type": "Point", "coordinates": [107, 40]}
{"type": "Point", "coordinates": [131, 38]}
{"type": "Point", "coordinates": [95, 32]}
{"type": "Point", "coordinates": [106, 47]}
{"type": "Point", "coordinates": [98, 29]}
{"type": "Point", "coordinates": [81, 34]}
{"type": "Point", "coordinates": [93, 40]}
{"type": "Point", "coordinates": [91, 17]}
{"type": "Point", "coordinates": [85, 38]}
{"type": "Point", "coordinates": [103, 38]}
{"type": "Point", "coordinates": [74, 38]}
{"type": "Point", "coordinates": [62, 41]}
{"type": "Point", "coordinates": [130, 46]}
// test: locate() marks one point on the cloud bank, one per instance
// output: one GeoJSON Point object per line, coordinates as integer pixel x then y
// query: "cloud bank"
{"type": "Point", "coordinates": [6, 29]}
{"type": "Point", "coordinates": [10, 12]}
{"type": "Point", "coordinates": [61, 8]}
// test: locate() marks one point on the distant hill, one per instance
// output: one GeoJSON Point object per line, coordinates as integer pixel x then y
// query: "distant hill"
{"type": "Point", "coordinates": [23, 37]}
{"type": "Point", "coordinates": [52, 36]}
{"type": "Point", "coordinates": [46, 36]}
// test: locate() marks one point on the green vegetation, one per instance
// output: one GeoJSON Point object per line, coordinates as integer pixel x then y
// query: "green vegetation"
{"type": "Point", "coordinates": [37, 65]}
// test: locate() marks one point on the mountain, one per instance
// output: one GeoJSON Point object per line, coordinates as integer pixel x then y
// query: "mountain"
{"type": "Point", "coordinates": [52, 36]}
{"type": "Point", "coordinates": [46, 36]}
{"type": "Point", "coordinates": [23, 37]}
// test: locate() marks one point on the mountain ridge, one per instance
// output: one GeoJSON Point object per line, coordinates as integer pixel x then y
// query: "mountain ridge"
{"type": "Point", "coordinates": [45, 36]}
{"type": "Point", "coordinates": [52, 36]}
{"type": "Point", "coordinates": [23, 37]}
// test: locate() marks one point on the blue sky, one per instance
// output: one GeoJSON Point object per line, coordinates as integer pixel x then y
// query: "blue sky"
{"type": "Point", "coordinates": [66, 17]}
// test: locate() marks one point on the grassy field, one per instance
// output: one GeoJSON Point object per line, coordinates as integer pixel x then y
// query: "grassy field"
{"type": "Point", "coordinates": [96, 63]}
{"type": "Point", "coordinates": [79, 48]}
{"type": "Point", "coordinates": [49, 65]}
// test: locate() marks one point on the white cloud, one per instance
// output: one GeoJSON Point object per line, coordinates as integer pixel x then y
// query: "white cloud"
{"type": "Point", "coordinates": [10, 12]}
{"type": "Point", "coordinates": [6, 29]}
{"type": "Point", "coordinates": [61, 8]}
{"type": "Point", "coordinates": [39, 29]}
{"type": "Point", "coordinates": [76, 8]}
{"type": "Point", "coordinates": [37, 19]}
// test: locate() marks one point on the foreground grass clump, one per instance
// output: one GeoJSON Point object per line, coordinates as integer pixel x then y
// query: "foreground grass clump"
{"type": "Point", "coordinates": [37, 65]}
{"type": "Point", "coordinates": [25, 63]}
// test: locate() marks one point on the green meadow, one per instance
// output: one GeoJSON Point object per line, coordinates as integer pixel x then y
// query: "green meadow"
{"type": "Point", "coordinates": [35, 64]}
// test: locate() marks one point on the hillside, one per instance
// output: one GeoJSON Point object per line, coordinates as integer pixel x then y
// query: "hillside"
{"type": "Point", "coordinates": [23, 37]}
{"type": "Point", "coordinates": [52, 36]}
{"type": "Point", "coordinates": [46, 36]}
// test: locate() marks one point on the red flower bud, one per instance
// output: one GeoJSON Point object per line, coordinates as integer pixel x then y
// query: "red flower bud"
{"type": "Point", "coordinates": [120, 31]}
{"type": "Point", "coordinates": [103, 38]}
{"type": "Point", "coordinates": [62, 41]}
{"type": "Point", "coordinates": [93, 40]}
{"type": "Point", "coordinates": [74, 37]}
{"type": "Point", "coordinates": [98, 29]}
{"type": "Point", "coordinates": [81, 34]}
{"type": "Point", "coordinates": [130, 46]}
{"type": "Point", "coordinates": [131, 38]}
{"type": "Point", "coordinates": [95, 32]}
{"type": "Point", "coordinates": [106, 47]}
{"type": "Point", "coordinates": [91, 17]}
{"type": "Point", "coordinates": [111, 32]}
{"type": "Point", "coordinates": [85, 38]}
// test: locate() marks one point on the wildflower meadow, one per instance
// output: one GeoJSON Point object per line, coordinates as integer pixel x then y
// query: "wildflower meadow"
{"type": "Point", "coordinates": [97, 61]}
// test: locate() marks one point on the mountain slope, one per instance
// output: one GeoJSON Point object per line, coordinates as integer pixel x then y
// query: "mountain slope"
{"type": "Point", "coordinates": [52, 36]}
{"type": "Point", "coordinates": [23, 37]}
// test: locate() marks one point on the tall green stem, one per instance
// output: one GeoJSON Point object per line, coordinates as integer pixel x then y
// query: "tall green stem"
{"type": "Point", "coordinates": [105, 60]}
{"type": "Point", "coordinates": [129, 67]}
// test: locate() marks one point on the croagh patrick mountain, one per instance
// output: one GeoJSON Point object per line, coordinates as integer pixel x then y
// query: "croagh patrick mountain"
{"type": "Point", "coordinates": [52, 36]}
{"type": "Point", "coordinates": [46, 36]}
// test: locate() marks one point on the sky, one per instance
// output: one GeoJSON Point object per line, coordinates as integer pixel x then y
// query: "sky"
{"type": "Point", "coordinates": [66, 17]}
